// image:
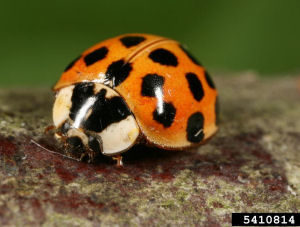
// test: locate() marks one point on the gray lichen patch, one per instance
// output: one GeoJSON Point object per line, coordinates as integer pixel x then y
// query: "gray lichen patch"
{"type": "Point", "coordinates": [251, 165]}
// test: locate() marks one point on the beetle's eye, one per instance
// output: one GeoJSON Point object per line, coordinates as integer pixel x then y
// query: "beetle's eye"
{"type": "Point", "coordinates": [75, 142]}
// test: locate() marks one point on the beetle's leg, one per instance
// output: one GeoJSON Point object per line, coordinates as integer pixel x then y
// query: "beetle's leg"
{"type": "Point", "coordinates": [91, 154]}
{"type": "Point", "coordinates": [92, 151]}
{"type": "Point", "coordinates": [118, 158]}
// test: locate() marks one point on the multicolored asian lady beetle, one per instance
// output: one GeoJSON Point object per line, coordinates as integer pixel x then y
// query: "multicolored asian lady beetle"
{"type": "Point", "coordinates": [134, 88]}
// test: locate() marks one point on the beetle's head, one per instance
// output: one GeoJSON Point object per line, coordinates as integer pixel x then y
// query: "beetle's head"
{"type": "Point", "coordinates": [95, 117]}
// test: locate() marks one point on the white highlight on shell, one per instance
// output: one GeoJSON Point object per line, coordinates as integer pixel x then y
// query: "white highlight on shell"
{"type": "Point", "coordinates": [199, 131]}
{"type": "Point", "coordinates": [159, 95]}
{"type": "Point", "coordinates": [83, 111]}
{"type": "Point", "coordinates": [102, 79]}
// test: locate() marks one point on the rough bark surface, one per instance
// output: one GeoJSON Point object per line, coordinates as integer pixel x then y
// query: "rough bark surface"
{"type": "Point", "coordinates": [251, 165]}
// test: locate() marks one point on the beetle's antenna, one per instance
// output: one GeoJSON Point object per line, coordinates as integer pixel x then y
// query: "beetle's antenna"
{"type": "Point", "coordinates": [52, 152]}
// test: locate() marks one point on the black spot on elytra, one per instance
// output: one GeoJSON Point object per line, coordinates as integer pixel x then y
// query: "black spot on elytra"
{"type": "Point", "coordinates": [117, 72]}
{"type": "Point", "coordinates": [105, 112]}
{"type": "Point", "coordinates": [150, 83]}
{"type": "Point", "coordinates": [166, 116]}
{"type": "Point", "coordinates": [130, 41]}
{"type": "Point", "coordinates": [95, 56]}
{"type": "Point", "coordinates": [69, 66]}
{"type": "Point", "coordinates": [193, 59]}
{"type": "Point", "coordinates": [163, 57]}
{"type": "Point", "coordinates": [195, 128]}
{"type": "Point", "coordinates": [94, 145]}
{"type": "Point", "coordinates": [81, 93]}
{"type": "Point", "coordinates": [209, 80]}
{"type": "Point", "coordinates": [195, 86]}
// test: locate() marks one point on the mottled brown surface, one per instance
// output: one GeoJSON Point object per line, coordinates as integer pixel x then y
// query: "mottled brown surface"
{"type": "Point", "coordinates": [251, 165]}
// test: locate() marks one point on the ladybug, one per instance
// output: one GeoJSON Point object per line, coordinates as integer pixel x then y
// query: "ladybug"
{"type": "Point", "coordinates": [134, 88]}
